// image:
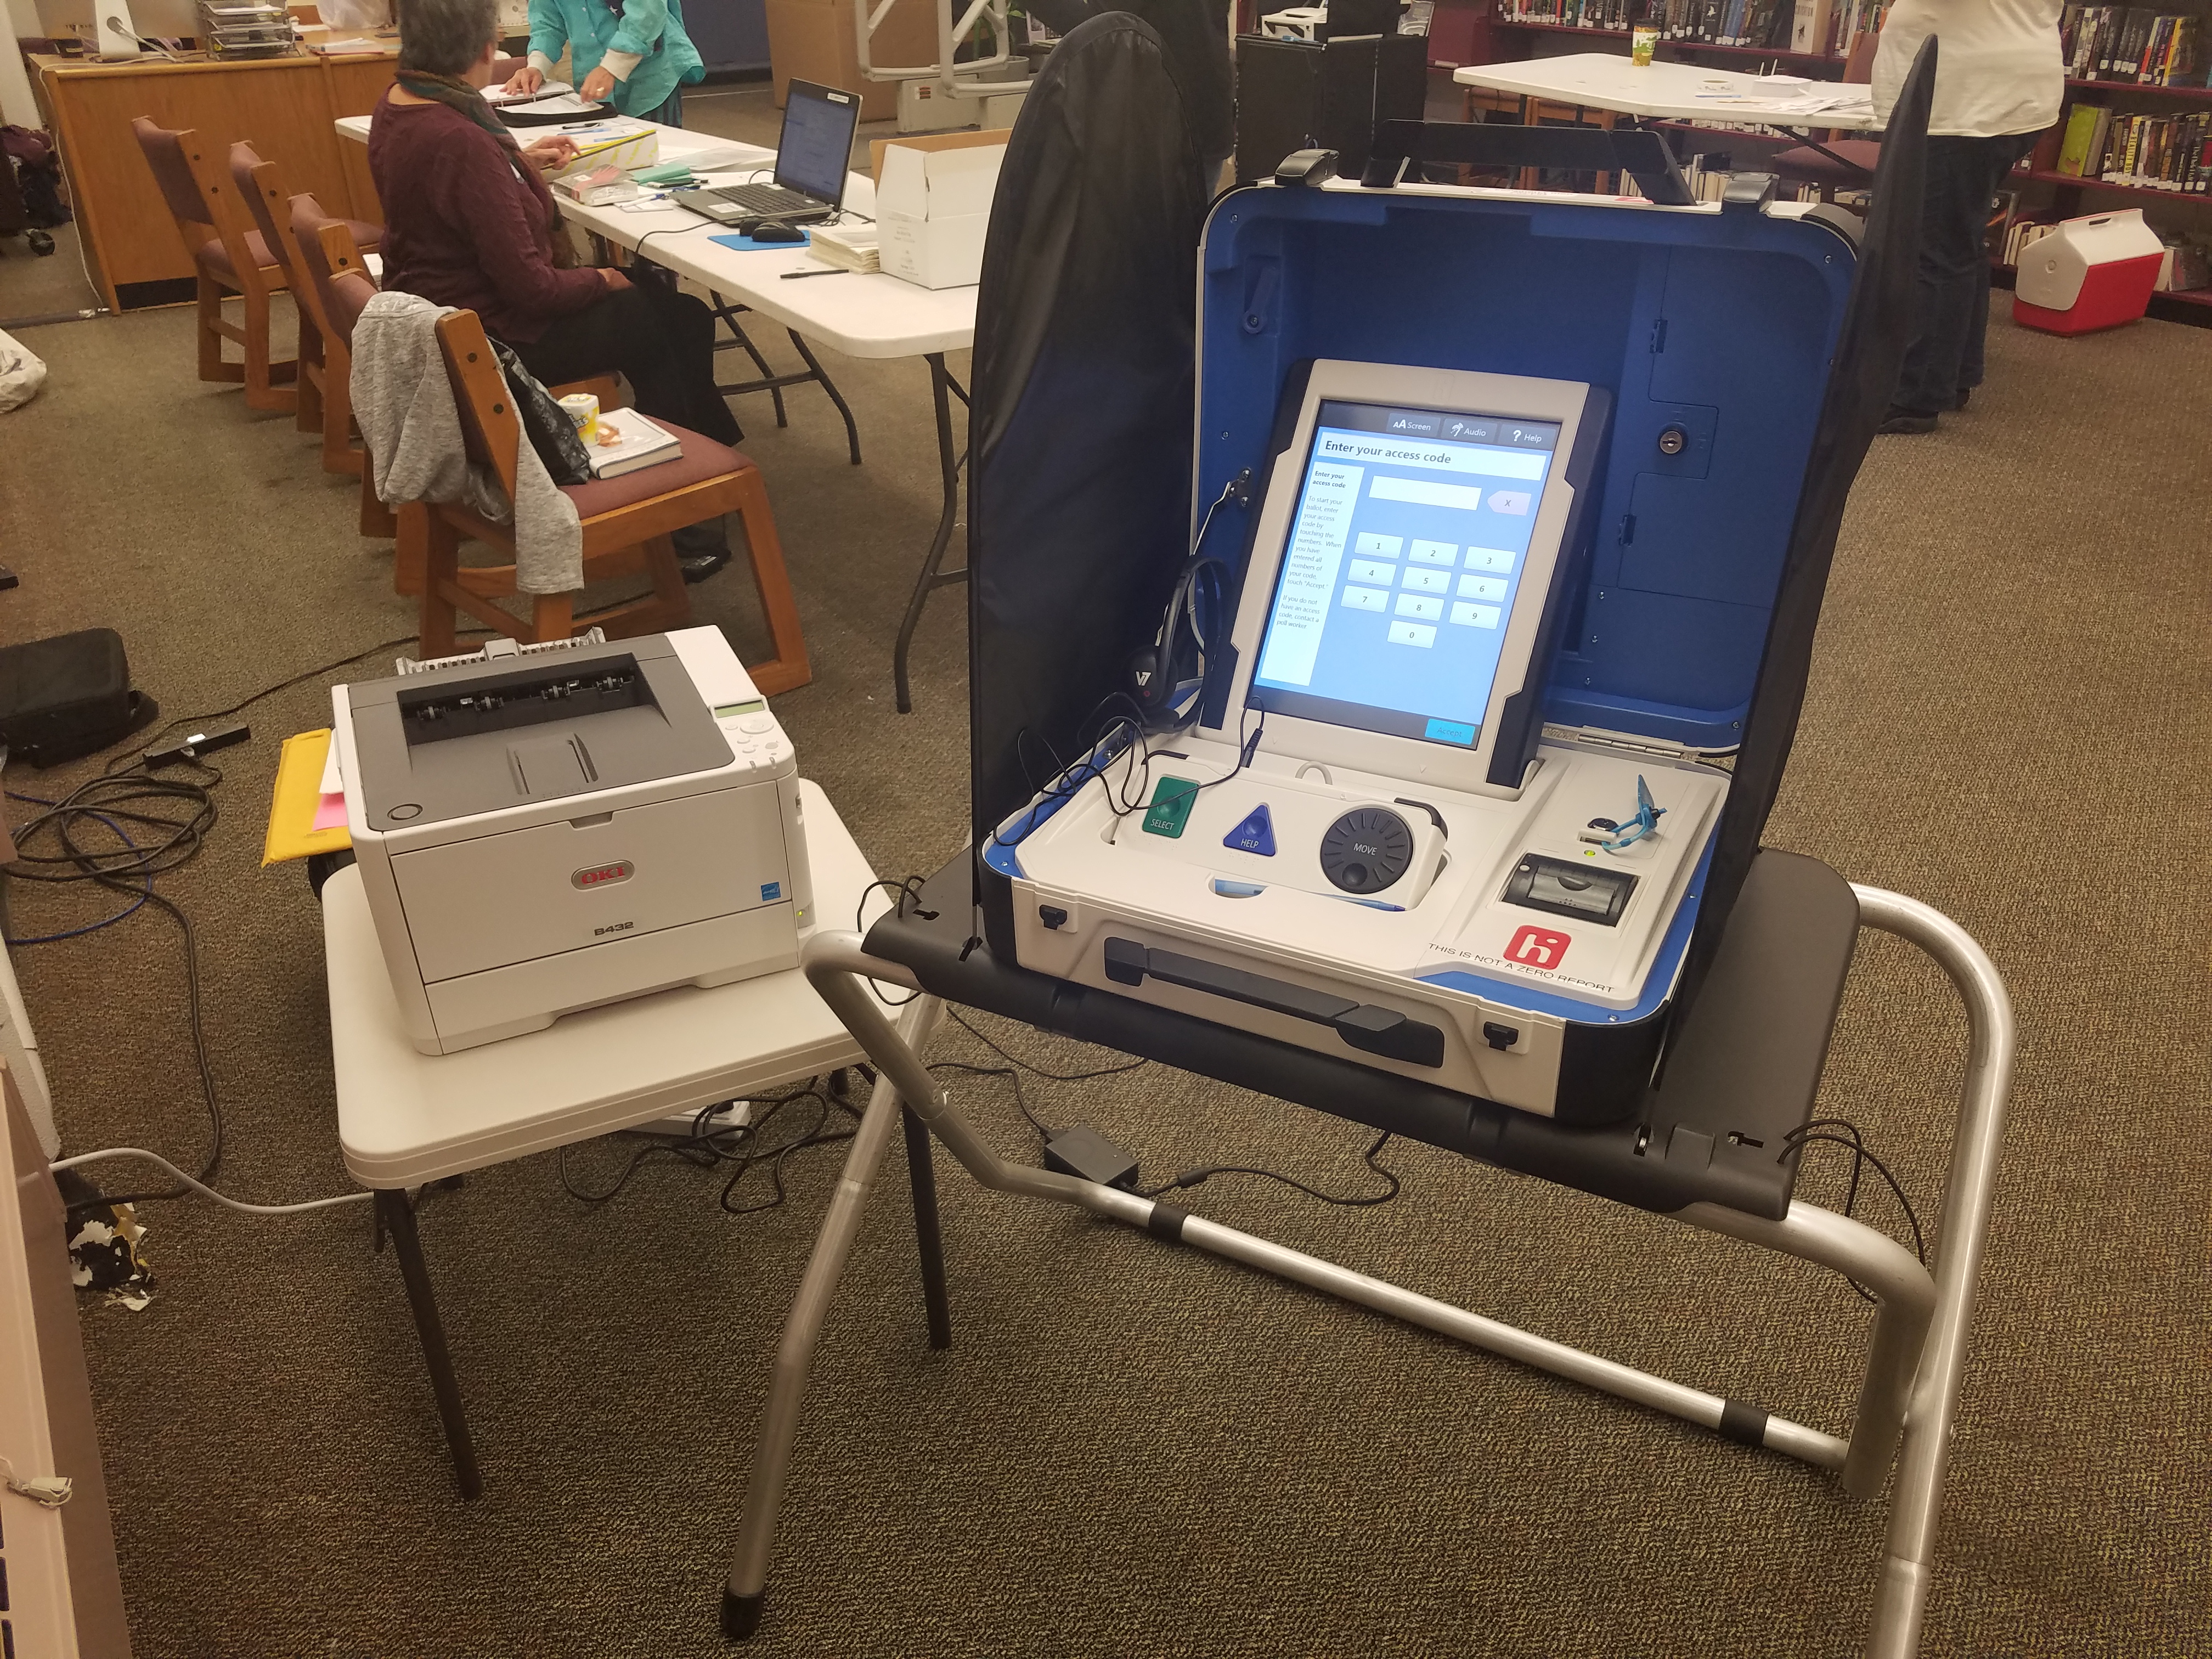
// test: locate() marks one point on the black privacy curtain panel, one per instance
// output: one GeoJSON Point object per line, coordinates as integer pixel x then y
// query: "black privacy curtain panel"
{"type": "Point", "coordinates": [1080, 431]}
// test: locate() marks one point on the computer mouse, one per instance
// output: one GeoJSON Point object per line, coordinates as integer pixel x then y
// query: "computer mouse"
{"type": "Point", "coordinates": [778, 234]}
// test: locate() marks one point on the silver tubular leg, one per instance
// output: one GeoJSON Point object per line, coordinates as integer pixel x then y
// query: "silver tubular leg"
{"type": "Point", "coordinates": [1915, 1355]}
{"type": "Point", "coordinates": [835, 963]}
{"type": "Point", "coordinates": [1905, 1301]}
{"type": "Point", "coordinates": [779, 1427]}
{"type": "Point", "coordinates": [1901, 1598]}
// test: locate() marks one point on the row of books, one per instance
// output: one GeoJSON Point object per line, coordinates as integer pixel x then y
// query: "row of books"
{"type": "Point", "coordinates": [1708, 179]}
{"type": "Point", "coordinates": [1850, 19]}
{"type": "Point", "coordinates": [2023, 235]}
{"type": "Point", "coordinates": [2153, 152]}
{"type": "Point", "coordinates": [1821, 27]}
{"type": "Point", "coordinates": [2132, 43]}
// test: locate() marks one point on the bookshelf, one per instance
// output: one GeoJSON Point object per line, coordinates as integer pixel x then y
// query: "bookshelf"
{"type": "Point", "coordinates": [2180, 48]}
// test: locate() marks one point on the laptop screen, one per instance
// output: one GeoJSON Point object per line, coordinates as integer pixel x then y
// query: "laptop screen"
{"type": "Point", "coordinates": [816, 150]}
{"type": "Point", "coordinates": [1404, 566]}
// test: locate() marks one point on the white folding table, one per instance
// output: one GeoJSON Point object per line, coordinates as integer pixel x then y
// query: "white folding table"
{"type": "Point", "coordinates": [407, 1119]}
{"type": "Point", "coordinates": [860, 314]}
{"type": "Point", "coordinates": [1674, 92]}
{"type": "Point", "coordinates": [1683, 92]}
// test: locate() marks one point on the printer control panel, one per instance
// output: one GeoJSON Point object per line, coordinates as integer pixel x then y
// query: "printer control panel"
{"type": "Point", "coordinates": [752, 732]}
{"type": "Point", "coordinates": [757, 741]}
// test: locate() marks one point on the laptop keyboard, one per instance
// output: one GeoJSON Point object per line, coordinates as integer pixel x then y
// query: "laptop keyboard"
{"type": "Point", "coordinates": [768, 199]}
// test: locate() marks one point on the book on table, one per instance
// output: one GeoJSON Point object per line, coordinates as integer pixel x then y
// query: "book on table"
{"type": "Point", "coordinates": [636, 442]}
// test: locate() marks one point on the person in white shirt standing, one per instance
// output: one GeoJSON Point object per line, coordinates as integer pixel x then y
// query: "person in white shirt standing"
{"type": "Point", "coordinates": [1999, 82]}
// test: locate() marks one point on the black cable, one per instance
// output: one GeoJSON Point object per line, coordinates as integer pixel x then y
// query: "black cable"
{"type": "Point", "coordinates": [1195, 1177]}
{"type": "Point", "coordinates": [1056, 1077]}
{"type": "Point", "coordinates": [739, 1143]}
{"type": "Point", "coordinates": [1021, 1101]}
{"type": "Point", "coordinates": [281, 685]}
{"type": "Point", "coordinates": [817, 1135]}
{"type": "Point", "coordinates": [908, 889]}
{"type": "Point", "coordinates": [110, 801]}
{"type": "Point", "coordinates": [1817, 1131]}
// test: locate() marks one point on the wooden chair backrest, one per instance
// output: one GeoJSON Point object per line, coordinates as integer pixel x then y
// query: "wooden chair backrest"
{"type": "Point", "coordinates": [325, 251]}
{"type": "Point", "coordinates": [349, 295]}
{"type": "Point", "coordinates": [196, 191]}
{"type": "Point", "coordinates": [260, 185]}
{"type": "Point", "coordinates": [489, 427]}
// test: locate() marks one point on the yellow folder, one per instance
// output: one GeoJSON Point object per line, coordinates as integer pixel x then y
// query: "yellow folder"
{"type": "Point", "coordinates": [292, 834]}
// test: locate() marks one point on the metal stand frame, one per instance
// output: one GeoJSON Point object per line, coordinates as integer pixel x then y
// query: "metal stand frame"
{"type": "Point", "coordinates": [395, 1211]}
{"type": "Point", "coordinates": [1915, 1357]}
{"type": "Point", "coordinates": [771, 382]}
{"type": "Point", "coordinates": [930, 578]}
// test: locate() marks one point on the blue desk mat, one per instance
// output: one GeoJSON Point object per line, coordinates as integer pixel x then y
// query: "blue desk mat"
{"type": "Point", "coordinates": [746, 245]}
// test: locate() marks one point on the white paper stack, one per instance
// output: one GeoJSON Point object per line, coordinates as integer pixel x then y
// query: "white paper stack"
{"type": "Point", "coordinates": [854, 247]}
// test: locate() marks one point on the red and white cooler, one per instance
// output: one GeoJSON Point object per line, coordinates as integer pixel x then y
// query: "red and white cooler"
{"type": "Point", "coordinates": [2088, 274]}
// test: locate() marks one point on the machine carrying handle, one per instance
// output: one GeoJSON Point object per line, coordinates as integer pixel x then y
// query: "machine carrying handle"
{"type": "Point", "coordinates": [1643, 156]}
{"type": "Point", "coordinates": [1373, 1030]}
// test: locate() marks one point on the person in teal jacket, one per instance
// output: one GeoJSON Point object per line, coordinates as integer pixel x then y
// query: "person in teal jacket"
{"type": "Point", "coordinates": [633, 52]}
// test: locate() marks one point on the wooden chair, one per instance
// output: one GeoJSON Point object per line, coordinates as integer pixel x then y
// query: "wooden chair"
{"type": "Point", "coordinates": [324, 251]}
{"type": "Point", "coordinates": [627, 522]}
{"type": "Point", "coordinates": [321, 406]}
{"type": "Point", "coordinates": [227, 258]}
{"type": "Point", "coordinates": [1839, 162]}
{"type": "Point", "coordinates": [335, 273]}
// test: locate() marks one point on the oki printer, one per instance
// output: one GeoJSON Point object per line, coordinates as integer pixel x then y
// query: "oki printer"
{"type": "Point", "coordinates": [547, 829]}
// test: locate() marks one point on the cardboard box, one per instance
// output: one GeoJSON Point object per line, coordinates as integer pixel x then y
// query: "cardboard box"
{"type": "Point", "coordinates": [814, 41]}
{"type": "Point", "coordinates": [932, 252]}
{"type": "Point", "coordinates": [934, 204]}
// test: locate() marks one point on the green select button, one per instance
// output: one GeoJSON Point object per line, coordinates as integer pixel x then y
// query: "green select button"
{"type": "Point", "coordinates": [1170, 811]}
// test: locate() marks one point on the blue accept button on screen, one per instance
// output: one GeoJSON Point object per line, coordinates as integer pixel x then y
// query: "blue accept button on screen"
{"type": "Point", "coordinates": [1457, 731]}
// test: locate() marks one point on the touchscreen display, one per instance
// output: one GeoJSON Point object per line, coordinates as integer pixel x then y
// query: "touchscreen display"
{"type": "Point", "coordinates": [1404, 563]}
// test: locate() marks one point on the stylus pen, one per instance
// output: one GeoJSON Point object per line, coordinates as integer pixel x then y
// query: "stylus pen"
{"type": "Point", "coordinates": [834, 270]}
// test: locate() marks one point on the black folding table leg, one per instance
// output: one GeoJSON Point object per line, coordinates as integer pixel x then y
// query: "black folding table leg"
{"type": "Point", "coordinates": [770, 381]}
{"type": "Point", "coordinates": [815, 368]}
{"type": "Point", "coordinates": [398, 1215]}
{"type": "Point", "coordinates": [942, 386]}
{"type": "Point", "coordinates": [922, 1174]}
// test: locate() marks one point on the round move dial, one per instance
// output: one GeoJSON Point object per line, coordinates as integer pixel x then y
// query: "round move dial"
{"type": "Point", "coordinates": [1366, 850]}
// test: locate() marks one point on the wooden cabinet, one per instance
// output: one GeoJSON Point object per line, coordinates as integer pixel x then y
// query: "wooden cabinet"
{"type": "Point", "coordinates": [286, 108]}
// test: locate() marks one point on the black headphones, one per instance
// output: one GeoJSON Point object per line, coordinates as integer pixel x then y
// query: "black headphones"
{"type": "Point", "coordinates": [1189, 625]}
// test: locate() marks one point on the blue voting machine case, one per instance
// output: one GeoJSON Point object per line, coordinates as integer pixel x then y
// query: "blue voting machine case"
{"type": "Point", "coordinates": [1735, 359]}
{"type": "Point", "coordinates": [1672, 402]}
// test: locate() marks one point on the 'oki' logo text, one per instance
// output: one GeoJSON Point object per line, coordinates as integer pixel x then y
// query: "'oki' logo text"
{"type": "Point", "coordinates": [603, 875]}
{"type": "Point", "coordinates": [1537, 947]}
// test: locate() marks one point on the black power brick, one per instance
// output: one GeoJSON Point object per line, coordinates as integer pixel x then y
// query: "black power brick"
{"type": "Point", "coordinates": [194, 745]}
{"type": "Point", "coordinates": [1084, 1153]}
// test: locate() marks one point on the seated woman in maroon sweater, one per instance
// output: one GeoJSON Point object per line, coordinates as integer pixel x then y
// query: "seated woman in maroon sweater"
{"type": "Point", "coordinates": [470, 223]}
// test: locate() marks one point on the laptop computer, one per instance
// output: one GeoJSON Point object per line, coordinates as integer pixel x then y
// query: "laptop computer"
{"type": "Point", "coordinates": [812, 155]}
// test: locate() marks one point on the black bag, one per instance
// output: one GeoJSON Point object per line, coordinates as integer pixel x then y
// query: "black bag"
{"type": "Point", "coordinates": [551, 432]}
{"type": "Point", "coordinates": [63, 698]}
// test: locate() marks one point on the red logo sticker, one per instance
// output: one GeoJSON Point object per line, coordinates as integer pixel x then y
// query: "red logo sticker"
{"type": "Point", "coordinates": [1537, 947]}
{"type": "Point", "coordinates": [600, 875]}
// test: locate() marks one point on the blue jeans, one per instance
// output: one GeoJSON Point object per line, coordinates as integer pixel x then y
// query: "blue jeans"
{"type": "Point", "coordinates": [1952, 314]}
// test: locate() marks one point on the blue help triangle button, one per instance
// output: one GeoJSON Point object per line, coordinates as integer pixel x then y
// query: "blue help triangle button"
{"type": "Point", "coordinates": [1255, 835]}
